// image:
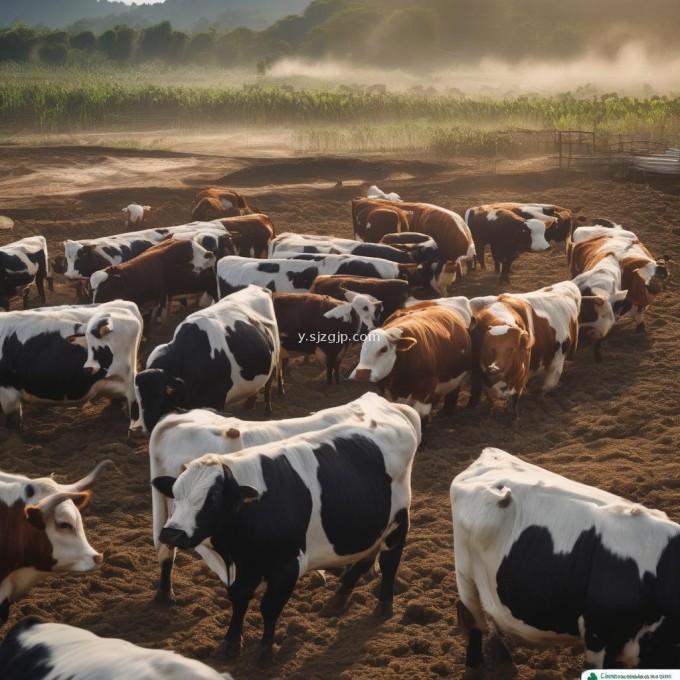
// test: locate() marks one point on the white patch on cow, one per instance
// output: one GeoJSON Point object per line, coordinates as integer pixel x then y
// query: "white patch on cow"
{"type": "Point", "coordinates": [630, 654]}
{"type": "Point", "coordinates": [378, 353]}
{"type": "Point", "coordinates": [226, 203]}
{"type": "Point", "coordinates": [538, 240]}
{"type": "Point", "coordinates": [499, 330]}
{"type": "Point", "coordinates": [135, 212]}
{"type": "Point", "coordinates": [375, 192]}
{"type": "Point", "coordinates": [461, 305]}
{"type": "Point", "coordinates": [492, 215]}
{"type": "Point", "coordinates": [77, 653]}
{"type": "Point", "coordinates": [587, 233]}
{"type": "Point", "coordinates": [595, 659]}
{"type": "Point", "coordinates": [96, 279]}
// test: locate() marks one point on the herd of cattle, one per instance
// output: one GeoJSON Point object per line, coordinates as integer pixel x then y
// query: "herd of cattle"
{"type": "Point", "coordinates": [270, 501]}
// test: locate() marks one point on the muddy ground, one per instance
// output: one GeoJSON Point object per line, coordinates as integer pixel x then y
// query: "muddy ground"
{"type": "Point", "coordinates": [612, 424]}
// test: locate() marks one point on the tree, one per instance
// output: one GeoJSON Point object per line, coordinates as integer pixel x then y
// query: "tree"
{"type": "Point", "coordinates": [17, 43]}
{"type": "Point", "coordinates": [156, 41]}
{"type": "Point", "coordinates": [201, 47]}
{"type": "Point", "coordinates": [85, 40]}
{"type": "Point", "coordinates": [117, 43]}
{"type": "Point", "coordinates": [54, 48]}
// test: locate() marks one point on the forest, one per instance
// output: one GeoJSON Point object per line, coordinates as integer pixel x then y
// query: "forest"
{"type": "Point", "coordinates": [433, 34]}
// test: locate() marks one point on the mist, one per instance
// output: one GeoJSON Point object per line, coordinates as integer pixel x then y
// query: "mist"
{"type": "Point", "coordinates": [632, 71]}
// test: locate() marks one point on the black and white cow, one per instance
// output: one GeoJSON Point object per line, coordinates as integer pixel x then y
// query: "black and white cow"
{"type": "Point", "coordinates": [224, 353]}
{"type": "Point", "coordinates": [39, 650]}
{"type": "Point", "coordinates": [180, 438]}
{"type": "Point", "coordinates": [334, 498]}
{"type": "Point", "coordinates": [21, 264]}
{"type": "Point", "coordinates": [552, 561]}
{"type": "Point", "coordinates": [297, 274]}
{"type": "Point", "coordinates": [283, 245]}
{"type": "Point", "coordinates": [69, 354]}
{"type": "Point", "coordinates": [82, 258]}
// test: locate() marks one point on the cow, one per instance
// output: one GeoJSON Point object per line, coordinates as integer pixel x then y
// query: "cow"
{"type": "Point", "coordinates": [321, 500]}
{"type": "Point", "coordinates": [22, 263]}
{"type": "Point", "coordinates": [69, 354]}
{"type": "Point", "coordinates": [560, 222]}
{"type": "Point", "coordinates": [507, 234]}
{"type": "Point", "coordinates": [251, 234]}
{"type": "Point", "coordinates": [216, 202]}
{"type": "Point", "coordinates": [296, 275]}
{"type": "Point", "coordinates": [393, 293]}
{"type": "Point", "coordinates": [179, 438]}
{"type": "Point", "coordinates": [82, 258]}
{"type": "Point", "coordinates": [218, 355]}
{"type": "Point", "coordinates": [447, 228]}
{"type": "Point", "coordinates": [517, 336]}
{"type": "Point", "coordinates": [167, 270]}
{"type": "Point", "coordinates": [42, 532]}
{"type": "Point", "coordinates": [39, 650]}
{"type": "Point", "coordinates": [320, 325]}
{"type": "Point", "coordinates": [419, 354]}
{"type": "Point", "coordinates": [136, 214]}
{"type": "Point", "coordinates": [641, 275]}
{"type": "Point", "coordinates": [373, 218]}
{"type": "Point", "coordinates": [602, 301]}
{"type": "Point", "coordinates": [553, 561]}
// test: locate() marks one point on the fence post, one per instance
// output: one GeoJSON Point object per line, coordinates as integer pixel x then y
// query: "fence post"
{"type": "Point", "coordinates": [559, 143]}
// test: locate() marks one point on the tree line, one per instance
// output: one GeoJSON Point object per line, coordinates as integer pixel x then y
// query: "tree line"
{"type": "Point", "coordinates": [435, 33]}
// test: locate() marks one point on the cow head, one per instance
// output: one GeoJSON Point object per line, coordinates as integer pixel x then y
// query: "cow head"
{"type": "Point", "coordinates": [599, 312]}
{"type": "Point", "coordinates": [504, 358]}
{"type": "Point", "coordinates": [99, 353]}
{"type": "Point", "coordinates": [82, 260]}
{"type": "Point", "coordinates": [646, 284]}
{"type": "Point", "coordinates": [379, 353]}
{"type": "Point", "coordinates": [367, 309]}
{"type": "Point", "coordinates": [158, 393]}
{"type": "Point", "coordinates": [534, 234]}
{"type": "Point", "coordinates": [206, 497]}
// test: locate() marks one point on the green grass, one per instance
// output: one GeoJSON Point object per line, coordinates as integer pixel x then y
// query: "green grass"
{"type": "Point", "coordinates": [38, 99]}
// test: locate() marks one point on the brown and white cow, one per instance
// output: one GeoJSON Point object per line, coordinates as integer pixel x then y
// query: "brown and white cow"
{"type": "Point", "coordinates": [320, 325]}
{"type": "Point", "coordinates": [373, 218]}
{"type": "Point", "coordinates": [392, 293]}
{"type": "Point", "coordinates": [517, 336]}
{"type": "Point", "coordinates": [41, 532]}
{"type": "Point", "coordinates": [168, 270]}
{"type": "Point", "coordinates": [560, 222]}
{"type": "Point", "coordinates": [250, 234]}
{"type": "Point", "coordinates": [641, 275]}
{"type": "Point", "coordinates": [214, 203]}
{"type": "Point", "coordinates": [507, 234]}
{"type": "Point", "coordinates": [136, 215]}
{"type": "Point", "coordinates": [419, 354]}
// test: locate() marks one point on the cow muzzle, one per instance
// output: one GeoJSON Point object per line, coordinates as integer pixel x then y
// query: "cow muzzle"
{"type": "Point", "coordinates": [493, 375]}
{"type": "Point", "coordinates": [363, 374]}
{"type": "Point", "coordinates": [89, 370]}
{"type": "Point", "coordinates": [177, 538]}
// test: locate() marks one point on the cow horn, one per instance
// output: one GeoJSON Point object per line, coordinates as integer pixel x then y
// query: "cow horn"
{"type": "Point", "coordinates": [87, 481]}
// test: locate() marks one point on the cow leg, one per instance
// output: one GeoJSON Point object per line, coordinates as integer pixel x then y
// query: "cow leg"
{"type": "Point", "coordinates": [479, 249]}
{"type": "Point", "coordinates": [10, 402]}
{"type": "Point", "coordinates": [513, 409]}
{"type": "Point", "coordinates": [24, 298]}
{"type": "Point", "coordinates": [329, 371]}
{"type": "Point", "coordinates": [50, 283]}
{"type": "Point", "coordinates": [268, 395]}
{"type": "Point", "coordinates": [40, 285]}
{"type": "Point", "coordinates": [450, 402]}
{"type": "Point", "coordinates": [475, 390]}
{"type": "Point", "coordinates": [596, 350]}
{"type": "Point", "coordinates": [279, 378]}
{"type": "Point", "coordinates": [389, 563]}
{"type": "Point", "coordinates": [280, 586]}
{"type": "Point", "coordinates": [240, 593]}
{"type": "Point", "coordinates": [471, 619]}
{"type": "Point", "coordinates": [553, 374]}
{"type": "Point", "coordinates": [339, 603]}
{"type": "Point", "coordinates": [249, 403]}
{"type": "Point", "coordinates": [4, 611]}
{"type": "Point", "coordinates": [166, 559]}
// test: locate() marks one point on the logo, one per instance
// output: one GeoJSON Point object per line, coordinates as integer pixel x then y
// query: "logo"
{"type": "Point", "coordinates": [592, 676]}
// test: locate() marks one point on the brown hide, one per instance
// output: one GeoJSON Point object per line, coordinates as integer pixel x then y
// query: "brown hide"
{"type": "Point", "coordinates": [165, 270]}
{"type": "Point", "coordinates": [374, 218]}
{"type": "Point", "coordinates": [586, 255]}
{"type": "Point", "coordinates": [393, 293]}
{"type": "Point", "coordinates": [250, 233]}
{"type": "Point", "coordinates": [453, 241]}
{"type": "Point", "coordinates": [443, 351]}
{"type": "Point", "coordinates": [21, 544]}
{"type": "Point", "coordinates": [240, 206]}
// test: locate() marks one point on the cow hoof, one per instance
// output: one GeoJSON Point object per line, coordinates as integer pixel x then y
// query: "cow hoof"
{"type": "Point", "coordinates": [266, 657]}
{"type": "Point", "coordinates": [231, 649]}
{"type": "Point", "coordinates": [137, 433]}
{"type": "Point", "coordinates": [268, 409]}
{"type": "Point", "coordinates": [337, 605]}
{"type": "Point", "coordinates": [165, 597]}
{"type": "Point", "coordinates": [498, 652]}
{"type": "Point", "coordinates": [473, 673]}
{"type": "Point", "coordinates": [384, 610]}
{"type": "Point", "coordinates": [317, 579]}
{"type": "Point", "coordinates": [249, 404]}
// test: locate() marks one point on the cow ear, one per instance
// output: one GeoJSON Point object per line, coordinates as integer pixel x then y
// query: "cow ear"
{"type": "Point", "coordinates": [349, 294]}
{"type": "Point", "coordinates": [35, 517]}
{"type": "Point", "coordinates": [77, 340]}
{"type": "Point", "coordinates": [164, 484]}
{"type": "Point", "coordinates": [89, 248]}
{"type": "Point", "coordinates": [248, 495]}
{"type": "Point", "coordinates": [405, 344]}
{"type": "Point", "coordinates": [343, 312]}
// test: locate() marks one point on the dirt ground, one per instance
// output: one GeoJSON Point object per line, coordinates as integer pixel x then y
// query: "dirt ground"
{"type": "Point", "coordinates": [612, 424]}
